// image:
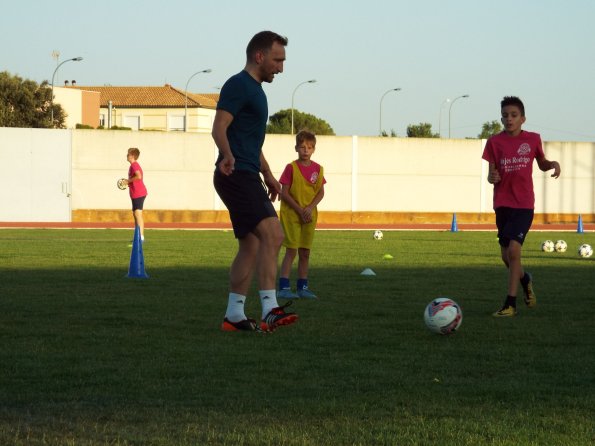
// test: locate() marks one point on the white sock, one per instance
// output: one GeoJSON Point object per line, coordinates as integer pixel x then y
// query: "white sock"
{"type": "Point", "coordinates": [268, 299]}
{"type": "Point", "coordinates": [235, 308]}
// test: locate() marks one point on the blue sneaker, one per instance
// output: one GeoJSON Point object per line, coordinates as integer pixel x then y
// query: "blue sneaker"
{"type": "Point", "coordinates": [286, 293]}
{"type": "Point", "coordinates": [305, 293]}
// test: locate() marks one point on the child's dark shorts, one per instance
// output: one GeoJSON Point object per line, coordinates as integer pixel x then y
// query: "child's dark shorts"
{"type": "Point", "coordinates": [246, 199]}
{"type": "Point", "coordinates": [138, 203]}
{"type": "Point", "coordinates": [513, 224]}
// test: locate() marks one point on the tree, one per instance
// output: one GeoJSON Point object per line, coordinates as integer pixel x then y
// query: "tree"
{"type": "Point", "coordinates": [393, 134]}
{"type": "Point", "coordinates": [280, 123]}
{"type": "Point", "coordinates": [421, 130]}
{"type": "Point", "coordinates": [490, 129]}
{"type": "Point", "coordinates": [24, 103]}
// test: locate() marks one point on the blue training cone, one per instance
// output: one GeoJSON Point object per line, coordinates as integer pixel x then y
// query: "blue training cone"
{"type": "Point", "coordinates": [453, 225]}
{"type": "Point", "coordinates": [579, 228]}
{"type": "Point", "coordinates": [137, 260]}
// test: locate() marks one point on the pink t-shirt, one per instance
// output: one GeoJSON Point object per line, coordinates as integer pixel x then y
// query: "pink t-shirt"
{"type": "Point", "coordinates": [310, 173]}
{"type": "Point", "coordinates": [513, 157]}
{"type": "Point", "coordinates": [137, 188]}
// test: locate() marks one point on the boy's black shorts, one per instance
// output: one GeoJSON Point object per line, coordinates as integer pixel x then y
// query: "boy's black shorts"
{"type": "Point", "coordinates": [246, 199]}
{"type": "Point", "coordinates": [138, 203]}
{"type": "Point", "coordinates": [513, 224]}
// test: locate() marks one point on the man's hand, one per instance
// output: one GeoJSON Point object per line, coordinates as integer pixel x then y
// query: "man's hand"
{"type": "Point", "coordinates": [273, 185]}
{"type": "Point", "coordinates": [226, 165]}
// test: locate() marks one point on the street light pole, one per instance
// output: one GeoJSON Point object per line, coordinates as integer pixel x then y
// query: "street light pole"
{"type": "Point", "coordinates": [74, 59]}
{"type": "Point", "coordinates": [440, 117]}
{"type": "Point", "coordinates": [449, 108]}
{"type": "Point", "coordinates": [208, 70]}
{"type": "Point", "coordinates": [311, 81]}
{"type": "Point", "coordinates": [381, 99]}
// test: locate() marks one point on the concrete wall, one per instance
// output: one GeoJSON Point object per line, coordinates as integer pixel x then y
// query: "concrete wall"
{"type": "Point", "coordinates": [365, 175]}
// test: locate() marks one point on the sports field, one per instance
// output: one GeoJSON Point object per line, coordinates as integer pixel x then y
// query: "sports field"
{"type": "Point", "coordinates": [90, 357]}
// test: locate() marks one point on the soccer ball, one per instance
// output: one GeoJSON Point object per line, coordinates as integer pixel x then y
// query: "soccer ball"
{"type": "Point", "coordinates": [378, 234]}
{"type": "Point", "coordinates": [560, 246]}
{"type": "Point", "coordinates": [443, 316]}
{"type": "Point", "coordinates": [585, 250]}
{"type": "Point", "coordinates": [547, 246]}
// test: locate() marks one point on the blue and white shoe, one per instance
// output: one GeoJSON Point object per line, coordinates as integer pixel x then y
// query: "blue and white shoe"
{"type": "Point", "coordinates": [286, 293]}
{"type": "Point", "coordinates": [305, 293]}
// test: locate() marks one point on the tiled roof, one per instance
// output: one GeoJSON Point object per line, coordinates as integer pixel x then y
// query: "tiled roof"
{"type": "Point", "coordinates": [151, 97]}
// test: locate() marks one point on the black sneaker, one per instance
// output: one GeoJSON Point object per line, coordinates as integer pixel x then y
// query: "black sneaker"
{"type": "Point", "coordinates": [244, 325]}
{"type": "Point", "coordinates": [278, 317]}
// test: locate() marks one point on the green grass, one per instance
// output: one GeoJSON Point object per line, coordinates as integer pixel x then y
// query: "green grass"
{"type": "Point", "coordinates": [90, 357]}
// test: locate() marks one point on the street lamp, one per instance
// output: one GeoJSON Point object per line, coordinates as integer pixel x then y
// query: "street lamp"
{"type": "Point", "coordinates": [311, 81]}
{"type": "Point", "coordinates": [208, 70]}
{"type": "Point", "coordinates": [440, 117]}
{"type": "Point", "coordinates": [380, 123]}
{"type": "Point", "coordinates": [74, 59]}
{"type": "Point", "coordinates": [449, 108]}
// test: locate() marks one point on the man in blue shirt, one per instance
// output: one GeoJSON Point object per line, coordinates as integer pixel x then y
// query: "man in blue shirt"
{"type": "Point", "coordinates": [238, 131]}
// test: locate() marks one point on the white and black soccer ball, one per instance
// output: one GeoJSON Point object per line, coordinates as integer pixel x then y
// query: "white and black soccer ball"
{"type": "Point", "coordinates": [585, 250]}
{"type": "Point", "coordinates": [560, 246]}
{"type": "Point", "coordinates": [378, 234]}
{"type": "Point", "coordinates": [443, 316]}
{"type": "Point", "coordinates": [548, 246]}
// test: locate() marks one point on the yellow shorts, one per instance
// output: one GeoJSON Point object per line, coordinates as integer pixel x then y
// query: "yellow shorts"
{"type": "Point", "coordinates": [297, 234]}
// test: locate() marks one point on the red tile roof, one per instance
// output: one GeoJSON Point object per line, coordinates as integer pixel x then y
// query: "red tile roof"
{"type": "Point", "coordinates": [151, 97]}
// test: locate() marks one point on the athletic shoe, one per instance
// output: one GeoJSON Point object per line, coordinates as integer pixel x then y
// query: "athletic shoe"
{"type": "Point", "coordinates": [305, 293]}
{"type": "Point", "coordinates": [286, 293]}
{"type": "Point", "coordinates": [243, 325]}
{"type": "Point", "coordinates": [530, 297]}
{"type": "Point", "coordinates": [278, 317]}
{"type": "Point", "coordinates": [506, 311]}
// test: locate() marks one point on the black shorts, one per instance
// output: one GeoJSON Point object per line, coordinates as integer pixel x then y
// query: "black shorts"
{"type": "Point", "coordinates": [513, 224]}
{"type": "Point", "coordinates": [246, 199]}
{"type": "Point", "coordinates": [137, 203]}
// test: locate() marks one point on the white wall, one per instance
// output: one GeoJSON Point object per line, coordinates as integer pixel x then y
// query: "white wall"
{"type": "Point", "coordinates": [363, 173]}
{"type": "Point", "coordinates": [35, 174]}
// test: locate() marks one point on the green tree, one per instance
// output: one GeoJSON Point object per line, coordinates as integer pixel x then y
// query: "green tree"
{"type": "Point", "coordinates": [490, 129]}
{"type": "Point", "coordinates": [393, 134]}
{"type": "Point", "coordinates": [24, 103]}
{"type": "Point", "coordinates": [421, 130]}
{"type": "Point", "coordinates": [280, 123]}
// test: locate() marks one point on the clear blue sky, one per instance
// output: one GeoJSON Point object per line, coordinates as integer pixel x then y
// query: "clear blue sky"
{"type": "Point", "coordinates": [540, 50]}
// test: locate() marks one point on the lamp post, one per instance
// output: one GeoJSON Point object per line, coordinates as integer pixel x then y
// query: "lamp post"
{"type": "Point", "coordinates": [311, 81]}
{"type": "Point", "coordinates": [449, 108]}
{"type": "Point", "coordinates": [440, 117]}
{"type": "Point", "coordinates": [74, 59]}
{"type": "Point", "coordinates": [380, 119]}
{"type": "Point", "coordinates": [208, 70]}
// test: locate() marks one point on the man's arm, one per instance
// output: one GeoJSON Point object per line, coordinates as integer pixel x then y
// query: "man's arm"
{"type": "Point", "coordinates": [269, 179]}
{"type": "Point", "coordinates": [222, 121]}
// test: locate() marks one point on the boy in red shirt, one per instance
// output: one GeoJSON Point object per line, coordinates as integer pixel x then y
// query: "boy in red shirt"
{"type": "Point", "coordinates": [137, 189]}
{"type": "Point", "coordinates": [302, 188]}
{"type": "Point", "coordinates": [510, 155]}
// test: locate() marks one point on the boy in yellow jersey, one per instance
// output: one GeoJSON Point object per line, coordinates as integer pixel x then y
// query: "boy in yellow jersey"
{"type": "Point", "coordinates": [302, 188]}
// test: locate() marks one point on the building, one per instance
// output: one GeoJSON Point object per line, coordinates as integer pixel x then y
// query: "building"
{"type": "Point", "coordinates": [145, 108]}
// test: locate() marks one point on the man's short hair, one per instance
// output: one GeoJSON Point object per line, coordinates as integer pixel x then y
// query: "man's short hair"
{"type": "Point", "coordinates": [263, 41]}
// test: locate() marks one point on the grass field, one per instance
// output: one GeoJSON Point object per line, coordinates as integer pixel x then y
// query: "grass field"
{"type": "Point", "coordinates": [90, 357]}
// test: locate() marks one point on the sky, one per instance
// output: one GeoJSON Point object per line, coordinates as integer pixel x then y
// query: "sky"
{"type": "Point", "coordinates": [435, 51]}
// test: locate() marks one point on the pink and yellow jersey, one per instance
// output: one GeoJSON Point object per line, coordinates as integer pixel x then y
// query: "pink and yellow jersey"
{"type": "Point", "coordinates": [305, 182]}
{"type": "Point", "coordinates": [513, 156]}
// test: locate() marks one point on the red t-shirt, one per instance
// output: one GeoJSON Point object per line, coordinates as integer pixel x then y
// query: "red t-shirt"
{"type": "Point", "coordinates": [136, 188]}
{"type": "Point", "coordinates": [513, 157]}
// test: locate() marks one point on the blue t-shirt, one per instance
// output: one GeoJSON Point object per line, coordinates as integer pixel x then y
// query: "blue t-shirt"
{"type": "Point", "coordinates": [244, 98]}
